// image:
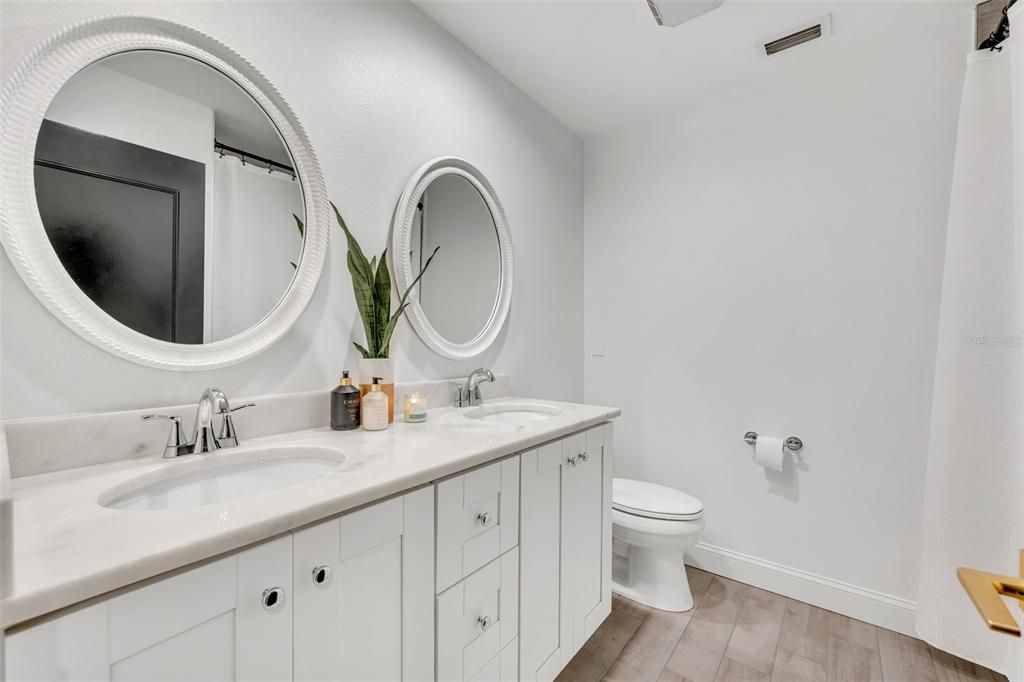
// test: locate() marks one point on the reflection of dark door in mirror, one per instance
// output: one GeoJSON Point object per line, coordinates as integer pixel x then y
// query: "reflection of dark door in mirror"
{"type": "Point", "coordinates": [128, 224]}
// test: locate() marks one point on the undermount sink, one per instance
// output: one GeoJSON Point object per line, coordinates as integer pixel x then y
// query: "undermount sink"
{"type": "Point", "coordinates": [513, 413]}
{"type": "Point", "coordinates": [200, 480]}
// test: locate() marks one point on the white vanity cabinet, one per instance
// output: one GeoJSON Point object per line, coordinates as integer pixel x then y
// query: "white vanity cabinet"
{"type": "Point", "coordinates": [229, 619]}
{"type": "Point", "coordinates": [498, 573]}
{"type": "Point", "coordinates": [565, 549]}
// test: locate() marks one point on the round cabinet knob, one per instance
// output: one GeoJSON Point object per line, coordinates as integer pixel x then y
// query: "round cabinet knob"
{"type": "Point", "coordinates": [572, 461]}
{"type": "Point", "coordinates": [484, 622]}
{"type": "Point", "coordinates": [484, 518]}
{"type": "Point", "coordinates": [321, 575]}
{"type": "Point", "coordinates": [583, 456]}
{"type": "Point", "coordinates": [273, 598]}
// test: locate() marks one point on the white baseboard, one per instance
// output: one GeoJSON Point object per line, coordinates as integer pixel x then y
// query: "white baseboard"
{"type": "Point", "coordinates": [877, 608]}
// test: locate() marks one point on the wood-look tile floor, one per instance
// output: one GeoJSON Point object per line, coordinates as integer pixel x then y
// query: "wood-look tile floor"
{"type": "Point", "coordinates": [739, 633]}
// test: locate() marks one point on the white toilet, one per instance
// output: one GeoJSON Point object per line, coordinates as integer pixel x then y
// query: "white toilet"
{"type": "Point", "coordinates": [652, 525]}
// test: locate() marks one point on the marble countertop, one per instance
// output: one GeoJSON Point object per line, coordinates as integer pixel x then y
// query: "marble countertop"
{"type": "Point", "coordinates": [68, 548]}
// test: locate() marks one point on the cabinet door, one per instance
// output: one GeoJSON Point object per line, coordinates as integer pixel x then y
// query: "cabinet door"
{"type": "Point", "coordinates": [70, 647]}
{"type": "Point", "coordinates": [587, 528]}
{"type": "Point", "coordinates": [227, 620]}
{"type": "Point", "coordinates": [544, 636]}
{"type": "Point", "coordinates": [364, 593]}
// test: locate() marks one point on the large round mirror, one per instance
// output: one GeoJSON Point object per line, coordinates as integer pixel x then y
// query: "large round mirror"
{"type": "Point", "coordinates": [462, 300]}
{"type": "Point", "coordinates": [176, 217]}
{"type": "Point", "coordinates": [169, 196]}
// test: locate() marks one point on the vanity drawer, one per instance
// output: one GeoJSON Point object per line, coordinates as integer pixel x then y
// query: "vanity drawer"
{"type": "Point", "coordinates": [478, 623]}
{"type": "Point", "coordinates": [477, 519]}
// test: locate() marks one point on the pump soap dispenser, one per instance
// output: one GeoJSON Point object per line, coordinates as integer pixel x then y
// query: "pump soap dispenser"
{"type": "Point", "coordinates": [345, 405]}
{"type": "Point", "coordinates": [375, 408]}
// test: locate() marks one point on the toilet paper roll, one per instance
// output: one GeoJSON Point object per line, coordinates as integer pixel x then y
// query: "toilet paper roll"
{"type": "Point", "coordinates": [769, 452]}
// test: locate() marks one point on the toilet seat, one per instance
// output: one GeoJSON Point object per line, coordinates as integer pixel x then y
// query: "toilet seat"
{"type": "Point", "coordinates": [653, 501]}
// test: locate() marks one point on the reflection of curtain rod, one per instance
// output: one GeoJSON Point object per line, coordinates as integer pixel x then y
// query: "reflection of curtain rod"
{"type": "Point", "coordinates": [271, 165]}
{"type": "Point", "coordinates": [999, 34]}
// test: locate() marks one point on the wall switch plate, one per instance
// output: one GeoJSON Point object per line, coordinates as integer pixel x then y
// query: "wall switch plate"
{"type": "Point", "coordinates": [596, 346]}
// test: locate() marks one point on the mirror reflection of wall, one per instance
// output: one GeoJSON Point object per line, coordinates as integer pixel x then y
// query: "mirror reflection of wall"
{"type": "Point", "coordinates": [459, 291]}
{"type": "Point", "coordinates": [169, 233]}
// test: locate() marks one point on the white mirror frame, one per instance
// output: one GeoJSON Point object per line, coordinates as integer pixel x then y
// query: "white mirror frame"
{"type": "Point", "coordinates": [24, 100]}
{"type": "Point", "coordinates": [401, 242]}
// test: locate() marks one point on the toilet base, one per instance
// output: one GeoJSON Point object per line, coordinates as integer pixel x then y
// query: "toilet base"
{"type": "Point", "coordinates": [655, 578]}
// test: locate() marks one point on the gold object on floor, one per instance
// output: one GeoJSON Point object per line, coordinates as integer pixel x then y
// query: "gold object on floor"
{"type": "Point", "coordinates": [987, 590]}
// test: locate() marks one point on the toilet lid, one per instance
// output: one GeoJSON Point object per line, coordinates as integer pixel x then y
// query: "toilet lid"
{"type": "Point", "coordinates": [654, 501]}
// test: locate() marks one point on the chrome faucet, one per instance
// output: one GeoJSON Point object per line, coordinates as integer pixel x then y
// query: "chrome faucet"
{"type": "Point", "coordinates": [469, 394]}
{"type": "Point", "coordinates": [203, 438]}
{"type": "Point", "coordinates": [212, 402]}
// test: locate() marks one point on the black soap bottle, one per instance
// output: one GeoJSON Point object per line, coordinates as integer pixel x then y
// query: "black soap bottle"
{"type": "Point", "coordinates": [345, 405]}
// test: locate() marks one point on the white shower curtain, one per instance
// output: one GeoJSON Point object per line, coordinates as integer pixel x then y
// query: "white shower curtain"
{"type": "Point", "coordinates": [973, 491]}
{"type": "Point", "coordinates": [253, 246]}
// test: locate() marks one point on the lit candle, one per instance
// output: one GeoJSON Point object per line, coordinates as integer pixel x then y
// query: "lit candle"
{"type": "Point", "coordinates": [415, 407]}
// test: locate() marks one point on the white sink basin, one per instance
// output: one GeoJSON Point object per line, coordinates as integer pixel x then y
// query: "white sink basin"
{"type": "Point", "coordinates": [199, 480]}
{"type": "Point", "coordinates": [513, 413]}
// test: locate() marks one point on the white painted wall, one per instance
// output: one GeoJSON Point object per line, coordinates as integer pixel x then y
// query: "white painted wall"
{"type": "Point", "coordinates": [770, 258]}
{"type": "Point", "coordinates": [380, 89]}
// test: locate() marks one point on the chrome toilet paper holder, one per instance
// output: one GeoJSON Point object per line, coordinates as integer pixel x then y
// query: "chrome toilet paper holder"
{"type": "Point", "coordinates": [793, 443]}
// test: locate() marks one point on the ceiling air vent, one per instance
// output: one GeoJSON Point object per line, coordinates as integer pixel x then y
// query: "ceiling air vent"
{"type": "Point", "coordinates": [792, 40]}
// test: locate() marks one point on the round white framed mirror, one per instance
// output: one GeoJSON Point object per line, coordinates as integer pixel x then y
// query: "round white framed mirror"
{"type": "Point", "coordinates": [159, 196]}
{"type": "Point", "coordinates": [462, 302]}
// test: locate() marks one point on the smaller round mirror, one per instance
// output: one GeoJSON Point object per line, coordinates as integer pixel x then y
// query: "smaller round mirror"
{"type": "Point", "coordinates": [461, 303]}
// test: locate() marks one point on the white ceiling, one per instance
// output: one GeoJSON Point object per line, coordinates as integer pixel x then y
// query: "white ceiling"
{"type": "Point", "coordinates": [596, 64]}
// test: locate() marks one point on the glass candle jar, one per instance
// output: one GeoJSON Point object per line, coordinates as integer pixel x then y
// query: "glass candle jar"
{"type": "Point", "coordinates": [415, 407]}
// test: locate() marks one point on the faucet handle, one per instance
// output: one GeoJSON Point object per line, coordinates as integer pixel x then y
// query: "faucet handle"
{"type": "Point", "coordinates": [176, 443]}
{"type": "Point", "coordinates": [460, 394]}
{"type": "Point", "coordinates": [153, 417]}
{"type": "Point", "coordinates": [228, 437]}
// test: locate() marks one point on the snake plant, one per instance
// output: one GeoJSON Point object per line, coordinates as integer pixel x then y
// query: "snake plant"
{"type": "Point", "coordinates": [371, 284]}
